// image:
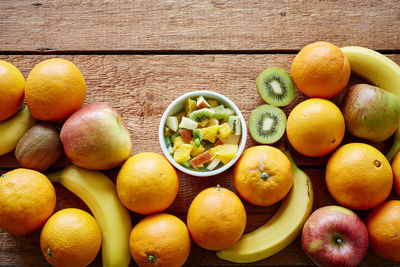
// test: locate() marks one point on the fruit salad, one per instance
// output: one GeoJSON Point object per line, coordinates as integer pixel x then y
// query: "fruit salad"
{"type": "Point", "coordinates": [204, 135]}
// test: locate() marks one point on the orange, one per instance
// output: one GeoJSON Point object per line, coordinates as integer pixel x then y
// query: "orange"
{"type": "Point", "coordinates": [147, 183]}
{"type": "Point", "coordinates": [358, 176]}
{"type": "Point", "coordinates": [320, 70]}
{"type": "Point", "coordinates": [27, 199]}
{"type": "Point", "coordinates": [12, 86]}
{"type": "Point", "coordinates": [216, 218]}
{"type": "Point", "coordinates": [263, 175]}
{"type": "Point", "coordinates": [55, 88]}
{"type": "Point", "coordinates": [383, 226]}
{"type": "Point", "coordinates": [160, 240]}
{"type": "Point", "coordinates": [396, 172]}
{"type": "Point", "coordinates": [71, 237]}
{"type": "Point", "coordinates": [315, 127]}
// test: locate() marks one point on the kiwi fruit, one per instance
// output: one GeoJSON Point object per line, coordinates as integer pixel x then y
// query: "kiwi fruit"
{"type": "Point", "coordinates": [39, 147]}
{"type": "Point", "coordinates": [275, 87]}
{"type": "Point", "coordinates": [234, 123]}
{"type": "Point", "coordinates": [267, 124]}
{"type": "Point", "coordinates": [201, 114]}
{"type": "Point", "coordinates": [219, 112]}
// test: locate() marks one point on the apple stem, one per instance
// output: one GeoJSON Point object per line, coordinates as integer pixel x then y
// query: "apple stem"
{"type": "Point", "coordinates": [339, 241]}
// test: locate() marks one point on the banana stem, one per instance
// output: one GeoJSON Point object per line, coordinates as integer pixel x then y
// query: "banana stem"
{"type": "Point", "coordinates": [54, 176]}
{"type": "Point", "coordinates": [395, 147]}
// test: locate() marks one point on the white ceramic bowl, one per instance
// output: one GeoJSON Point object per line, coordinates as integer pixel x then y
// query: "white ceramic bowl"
{"type": "Point", "coordinates": [178, 105]}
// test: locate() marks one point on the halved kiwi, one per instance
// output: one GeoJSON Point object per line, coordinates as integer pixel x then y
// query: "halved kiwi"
{"type": "Point", "coordinates": [267, 124]}
{"type": "Point", "coordinates": [275, 87]}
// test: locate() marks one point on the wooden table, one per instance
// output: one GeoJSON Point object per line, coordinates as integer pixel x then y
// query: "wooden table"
{"type": "Point", "coordinates": [138, 56]}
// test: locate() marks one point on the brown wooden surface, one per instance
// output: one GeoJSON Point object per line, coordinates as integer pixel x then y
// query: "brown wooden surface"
{"type": "Point", "coordinates": [138, 56]}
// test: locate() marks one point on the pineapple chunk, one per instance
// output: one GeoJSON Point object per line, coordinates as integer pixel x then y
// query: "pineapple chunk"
{"type": "Point", "coordinates": [182, 153]}
{"type": "Point", "coordinates": [196, 150]}
{"type": "Point", "coordinates": [177, 142]}
{"type": "Point", "coordinates": [224, 130]}
{"type": "Point", "coordinates": [230, 139]}
{"type": "Point", "coordinates": [209, 133]}
{"type": "Point", "coordinates": [224, 153]}
{"type": "Point", "coordinates": [213, 103]}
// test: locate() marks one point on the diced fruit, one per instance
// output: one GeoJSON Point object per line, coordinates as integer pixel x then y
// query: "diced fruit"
{"type": "Point", "coordinates": [182, 153]}
{"type": "Point", "coordinates": [201, 114]}
{"type": "Point", "coordinates": [167, 131]}
{"type": "Point", "coordinates": [209, 133]}
{"type": "Point", "coordinates": [169, 144]}
{"type": "Point", "coordinates": [186, 164]}
{"type": "Point", "coordinates": [225, 153]}
{"type": "Point", "coordinates": [172, 123]}
{"type": "Point", "coordinates": [229, 112]}
{"type": "Point", "coordinates": [180, 115]}
{"type": "Point", "coordinates": [202, 103]}
{"type": "Point", "coordinates": [212, 122]}
{"type": "Point", "coordinates": [224, 130]}
{"type": "Point", "coordinates": [173, 136]}
{"type": "Point", "coordinates": [200, 159]}
{"type": "Point", "coordinates": [188, 124]}
{"type": "Point", "coordinates": [213, 103]}
{"type": "Point", "coordinates": [219, 143]}
{"type": "Point", "coordinates": [213, 164]}
{"type": "Point", "coordinates": [219, 112]}
{"type": "Point", "coordinates": [190, 105]}
{"type": "Point", "coordinates": [186, 135]}
{"type": "Point", "coordinates": [196, 150]}
{"type": "Point", "coordinates": [214, 150]}
{"type": "Point", "coordinates": [177, 142]}
{"type": "Point", "coordinates": [234, 123]}
{"type": "Point", "coordinates": [231, 139]}
{"type": "Point", "coordinates": [203, 123]}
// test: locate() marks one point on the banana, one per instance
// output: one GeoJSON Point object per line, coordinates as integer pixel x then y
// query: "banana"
{"type": "Point", "coordinates": [282, 229]}
{"type": "Point", "coordinates": [12, 129]}
{"type": "Point", "coordinates": [380, 71]}
{"type": "Point", "coordinates": [99, 194]}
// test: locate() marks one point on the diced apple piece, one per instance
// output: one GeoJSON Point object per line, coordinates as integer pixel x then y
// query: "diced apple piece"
{"type": "Point", "coordinates": [200, 159]}
{"type": "Point", "coordinates": [186, 135]}
{"type": "Point", "coordinates": [209, 133]}
{"type": "Point", "coordinates": [219, 143]}
{"type": "Point", "coordinates": [190, 105]}
{"type": "Point", "coordinates": [188, 124]}
{"type": "Point", "coordinates": [177, 142]}
{"type": "Point", "coordinates": [182, 153]}
{"type": "Point", "coordinates": [213, 164]}
{"type": "Point", "coordinates": [172, 123]}
{"type": "Point", "coordinates": [202, 103]}
{"type": "Point", "coordinates": [224, 130]}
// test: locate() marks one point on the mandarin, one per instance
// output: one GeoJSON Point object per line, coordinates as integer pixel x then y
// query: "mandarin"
{"type": "Point", "coordinates": [358, 176]}
{"type": "Point", "coordinates": [320, 70]}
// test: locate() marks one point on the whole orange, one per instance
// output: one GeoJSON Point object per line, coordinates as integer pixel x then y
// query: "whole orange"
{"type": "Point", "coordinates": [358, 176]}
{"type": "Point", "coordinates": [263, 175]}
{"type": "Point", "coordinates": [383, 226]}
{"type": "Point", "coordinates": [315, 127]}
{"type": "Point", "coordinates": [70, 237]}
{"type": "Point", "coordinates": [216, 218]}
{"type": "Point", "coordinates": [320, 70]}
{"type": "Point", "coordinates": [27, 199]}
{"type": "Point", "coordinates": [147, 183]}
{"type": "Point", "coordinates": [160, 240]}
{"type": "Point", "coordinates": [396, 172]}
{"type": "Point", "coordinates": [55, 88]}
{"type": "Point", "coordinates": [12, 86]}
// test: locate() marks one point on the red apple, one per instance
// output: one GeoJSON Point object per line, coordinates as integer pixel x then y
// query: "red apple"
{"type": "Point", "coordinates": [95, 137]}
{"type": "Point", "coordinates": [335, 236]}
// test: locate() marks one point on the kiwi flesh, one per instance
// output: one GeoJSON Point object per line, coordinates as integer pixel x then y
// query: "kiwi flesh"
{"type": "Point", "coordinates": [201, 114]}
{"type": "Point", "coordinates": [275, 87]}
{"type": "Point", "coordinates": [267, 124]}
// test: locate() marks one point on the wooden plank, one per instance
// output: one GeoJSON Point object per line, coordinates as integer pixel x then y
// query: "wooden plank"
{"type": "Point", "coordinates": [140, 87]}
{"type": "Point", "coordinates": [195, 25]}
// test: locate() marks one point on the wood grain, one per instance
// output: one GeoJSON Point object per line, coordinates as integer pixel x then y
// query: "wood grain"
{"type": "Point", "coordinates": [150, 25]}
{"type": "Point", "coordinates": [140, 87]}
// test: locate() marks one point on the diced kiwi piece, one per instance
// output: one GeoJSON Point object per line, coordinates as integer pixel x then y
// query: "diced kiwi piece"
{"type": "Point", "coordinates": [229, 112]}
{"type": "Point", "coordinates": [234, 124]}
{"type": "Point", "coordinates": [172, 123]}
{"type": "Point", "coordinates": [188, 124]}
{"type": "Point", "coordinates": [267, 124]}
{"type": "Point", "coordinates": [201, 114]}
{"type": "Point", "coordinates": [219, 112]}
{"type": "Point", "coordinates": [275, 87]}
{"type": "Point", "coordinates": [190, 105]}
